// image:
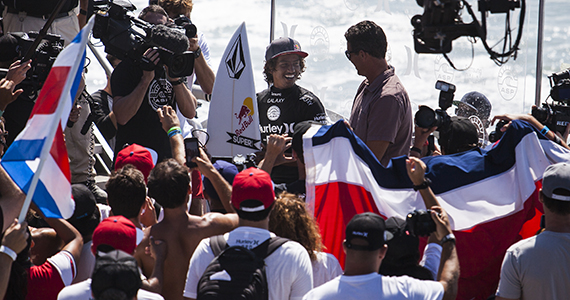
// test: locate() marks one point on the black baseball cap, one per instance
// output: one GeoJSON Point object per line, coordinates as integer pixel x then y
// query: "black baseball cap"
{"type": "Point", "coordinates": [116, 271]}
{"type": "Point", "coordinates": [459, 136]}
{"type": "Point", "coordinates": [370, 227]}
{"type": "Point", "coordinates": [282, 46]}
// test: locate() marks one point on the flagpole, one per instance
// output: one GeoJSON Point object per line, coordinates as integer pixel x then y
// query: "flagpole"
{"type": "Point", "coordinates": [66, 92]}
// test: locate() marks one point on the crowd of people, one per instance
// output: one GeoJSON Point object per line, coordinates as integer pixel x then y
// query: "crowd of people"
{"type": "Point", "coordinates": [162, 230]}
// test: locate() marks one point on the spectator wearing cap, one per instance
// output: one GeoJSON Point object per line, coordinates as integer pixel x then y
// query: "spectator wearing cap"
{"type": "Point", "coordinates": [118, 233]}
{"type": "Point", "coordinates": [381, 114]}
{"type": "Point", "coordinates": [284, 103]}
{"type": "Point", "coordinates": [169, 185]}
{"type": "Point", "coordinates": [127, 197]}
{"type": "Point", "coordinates": [365, 248]}
{"type": "Point", "coordinates": [116, 276]}
{"type": "Point", "coordinates": [537, 267]}
{"type": "Point", "coordinates": [458, 136]}
{"type": "Point", "coordinates": [228, 172]}
{"type": "Point", "coordinates": [288, 269]}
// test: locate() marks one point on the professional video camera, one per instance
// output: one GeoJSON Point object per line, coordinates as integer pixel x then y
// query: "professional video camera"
{"type": "Point", "coordinates": [441, 23]}
{"type": "Point", "coordinates": [42, 59]}
{"type": "Point", "coordinates": [426, 117]}
{"type": "Point", "coordinates": [556, 116]}
{"type": "Point", "coordinates": [128, 37]}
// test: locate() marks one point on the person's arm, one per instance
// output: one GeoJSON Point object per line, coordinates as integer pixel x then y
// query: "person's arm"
{"type": "Point", "coordinates": [168, 119]}
{"type": "Point", "coordinates": [551, 135]}
{"type": "Point", "coordinates": [448, 274]}
{"type": "Point", "coordinates": [16, 74]}
{"type": "Point", "coordinates": [204, 73]}
{"type": "Point", "coordinates": [378, 148]}
{"type": "Point", "coordinates": [158, 251]}
{"type": "Point", "coordinates": [274, 152]}
{"type": "Point", "coordinates": [186, 101]}
{"type": "Point", "coordinates": [222, 187]}
{"type": "Point", "coordinates": [72, 239]}
{"type": "Point", "coordinates": [420, 138]}
{"type": "Point", "coordinates": [125, 107]}
{"type": "Point", "coordinates": [15, 239]}
{"type": "Point", "coordinates": [416, 171]}
{"type": "Point", "coordinates": [83, 6]}
{"type": "Point", "coordinates": [11, 199]}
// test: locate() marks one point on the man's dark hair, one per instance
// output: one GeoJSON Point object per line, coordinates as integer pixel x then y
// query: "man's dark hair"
{"type": "Point", "coordinates": [558, 207]}
{"type": "Point", "coordinates": [460, 135]}
{"type": "Point", "coordinates": [297, 141]}
{"type": "Point", "coordinates": [152, 9]}
{"type": "Point", "coordinates": [126, 192]}
{"type": "Point", "coordinates": [368, 37]}
{"type": "Point", "coordinates": [271, 66]}
{"type": "Point", "coordinates": [168, 183]}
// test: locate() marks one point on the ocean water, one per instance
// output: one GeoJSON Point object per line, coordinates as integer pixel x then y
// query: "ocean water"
{"type": "Point", "coordinates": [319, 26]}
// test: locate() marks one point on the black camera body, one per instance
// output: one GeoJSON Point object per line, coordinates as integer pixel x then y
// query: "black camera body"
{"type": "Point", "coordinates": [556, 116]}
{"type": "Point", "coordinates": [426, 117]}
{"type": "Point", "coordinates": [420, 223]}
{"type": "Point", "coordinates": [497, 134]}
{"type": "Point", "coordinates": [128, 37]}
{"type": "Point", "coordinates": [560, 86]}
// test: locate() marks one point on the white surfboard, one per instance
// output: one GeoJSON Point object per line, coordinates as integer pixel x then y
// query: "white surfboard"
{"type": "Point", "coordinates": [233, 122]}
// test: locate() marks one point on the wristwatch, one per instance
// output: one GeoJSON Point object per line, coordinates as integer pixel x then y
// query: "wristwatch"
{"type": "Point", "coordinates": [179, 81]}
{"type": "Point", "coordinates": [448, 238]}
{"type": "Point", "coordinates": [424, 185]}
{"type": "Point", "coordinates": [197, 53]}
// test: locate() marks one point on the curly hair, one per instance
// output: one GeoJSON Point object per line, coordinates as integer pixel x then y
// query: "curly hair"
{"type": "Point", "coordinates": [271, 66]}
{"type": "Point", "coordinates": [175, 8]}
{"type": "Point", "coordinates": [290, 219]}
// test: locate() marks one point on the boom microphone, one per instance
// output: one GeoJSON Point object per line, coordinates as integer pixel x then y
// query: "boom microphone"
{"type": "Point", "coordinates": [171, 39]}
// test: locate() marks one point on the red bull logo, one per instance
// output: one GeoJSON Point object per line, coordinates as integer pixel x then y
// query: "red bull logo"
{"type": "Point", "coordinates": [245, 115]}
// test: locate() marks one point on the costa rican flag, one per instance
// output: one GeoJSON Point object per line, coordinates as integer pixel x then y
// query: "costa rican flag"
{"type": "Point", "coordinates": [37, 160]}
{"type": "Point", "coordinates": [491, 196]}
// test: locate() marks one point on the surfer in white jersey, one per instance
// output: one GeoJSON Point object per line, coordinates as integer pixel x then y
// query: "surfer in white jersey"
{"type": "Point", "coordinates": [284, 103]}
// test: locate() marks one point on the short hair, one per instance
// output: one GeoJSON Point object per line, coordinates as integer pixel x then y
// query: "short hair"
{"type": "Point", "coordinates": [271, 65]}
{"type": "Point", "coordinates": [368, 37]}
{"type": "Point", "coordinates": [290, 219]}
{"type": "Point", "coordinates": [152, 9]}
{"type": "Point", "coordinates": [126, 192]}
{"type": "Point", "coordinates": [168, 183]}
{"type": "Point", "coordinates": [255, 216]}
{"type": "Point", "coordinates": [175, 8]}
{"type": "Point", "coordinates": [558, 207]}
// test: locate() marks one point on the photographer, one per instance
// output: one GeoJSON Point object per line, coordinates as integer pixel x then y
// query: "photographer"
{"type": "Point", "coordinates": [457, 136]}
{"type": "Point", "coordinates": [138, 93]}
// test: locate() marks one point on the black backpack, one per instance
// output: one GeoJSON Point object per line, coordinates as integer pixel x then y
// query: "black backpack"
{"type": "Point", "coordinates": [239, 273]}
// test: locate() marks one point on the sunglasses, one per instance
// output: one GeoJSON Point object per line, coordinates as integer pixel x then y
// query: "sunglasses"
{"type": "Point", "coordinates": [347, 53]}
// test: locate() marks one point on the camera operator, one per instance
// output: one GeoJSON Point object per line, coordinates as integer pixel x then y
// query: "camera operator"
{"type": "Point", "coordinates": [549, 134]}
{"type": "Point", "coordinates": [138, 93]}
{"type": "Point", "coordinates": [457, 136]}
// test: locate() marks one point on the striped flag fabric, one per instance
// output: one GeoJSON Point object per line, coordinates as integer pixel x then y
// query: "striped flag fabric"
{"type": "Point", "coordinates": [491, 196]}
{"type": "Point", "coordinates": [37, 160]}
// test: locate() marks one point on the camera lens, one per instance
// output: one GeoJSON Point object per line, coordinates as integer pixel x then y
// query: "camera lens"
{"type": "Point", "coordinates": [426, 117]}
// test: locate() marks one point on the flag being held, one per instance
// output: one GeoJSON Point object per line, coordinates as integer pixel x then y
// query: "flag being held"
{"type": "Point", "coordinates": [37, 160]}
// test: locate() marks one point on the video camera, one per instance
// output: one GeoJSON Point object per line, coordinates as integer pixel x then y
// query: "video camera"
{"type": "Point", "coordinates": [42, 59]}
{"type": "Point", "coordinates": [441, 23]}
{"type": "Point", "coordinates": [426, 117]}
{"type": "Point", "coordinates": [556, 116]}
{"type": "Point", "coordinates": [128, 37]}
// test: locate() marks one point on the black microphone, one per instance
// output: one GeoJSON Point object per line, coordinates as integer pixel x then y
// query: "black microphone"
{"type": "Point", "coordinates": [171, 39]}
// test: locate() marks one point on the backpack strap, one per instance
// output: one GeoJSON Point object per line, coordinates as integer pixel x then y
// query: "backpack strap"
{"type": "Point", "coordinates": [218, 244]}
{"type": "Point", "coordinates": [274, 243]}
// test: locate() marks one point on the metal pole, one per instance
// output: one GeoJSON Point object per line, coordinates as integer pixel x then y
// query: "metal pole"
{"type": "Point", "coordinates": [539, 52]}
{"type": "Point", "coordinates": [272, 25]}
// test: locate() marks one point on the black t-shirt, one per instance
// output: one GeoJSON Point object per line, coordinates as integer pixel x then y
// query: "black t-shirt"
{"type": "Point", "coordinates": [100, 112]}
{"type": "Point", "coordinates": [144, 128]}
{"type": "Point", "coordinates": [38, 8]}
{"type": "Point", "coordinates": [280, 110]}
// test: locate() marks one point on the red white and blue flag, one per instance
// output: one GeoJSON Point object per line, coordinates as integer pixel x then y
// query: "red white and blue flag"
{"type": "Point", "coordinates": [37, 160]}
{"type": "Point", "coordinates": [490, 196]}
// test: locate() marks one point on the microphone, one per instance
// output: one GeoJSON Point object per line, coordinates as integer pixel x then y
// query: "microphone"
{"type": "Point", "coordinates": [171, 39]}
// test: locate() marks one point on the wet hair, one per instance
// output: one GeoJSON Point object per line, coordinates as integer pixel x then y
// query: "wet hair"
{"type": "Point", "coordinates": [558, 207]}
{"type": "Point", "coordinates": [368, 37]}
{"type": "Point", "coordinates": [290, 219]}
{"type": "Point", "coordinates": [271, 66]}
{"type": "Point", "coordinates": [168, 183]}
{"type": "Point", "coordinates": [126, 192]}
{"type": "Point", "coordinates": [175, 8]}
{"type": "Point", "coordinates": [152, 9]}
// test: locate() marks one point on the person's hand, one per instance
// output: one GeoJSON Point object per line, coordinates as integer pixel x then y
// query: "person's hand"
{"type": "Point", "coordinates": [158, 248]}
{"type": "Point", "coordinates": [441, 220]}
{"type": "Point", "coordinates": [17, 71]}
{"type": "Point", "coordinates": [416, 170]}
{"type": "Point", "coordinates": [193, 44]}
{"type": "Point", "coordinates": [148, 214]}
{"type": "Point", "coordinates": [421, 135]}
{"type": "Point", "coordinates": [7, 93]}
{"type": "Point", "coordinates": [16, 236]}
{"type": "Point", "coordinates": [204, 164]}
{"type": "Point", "coordinates": [75, 112]}
{"type": "Point", "coordinates": [276, 146]}
{"type": "Point", "coordinates": [168, 117]}
{"type": "Point", "coordinates": [153, 56]}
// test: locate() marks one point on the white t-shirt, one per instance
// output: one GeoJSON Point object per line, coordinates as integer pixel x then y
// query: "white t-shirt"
{"type": "Point", "coordinates": [289, 272]}
{"type": "Point", "coordinates": [325, 268]}
{"type": "Point", "coordinates": [432, 258]}
{"type": "Point", "coordinates": [85, 264]}
{"type": "Point", "coordinates": [376, 286]}
{"type": "Point", "coordinates": [82, 291]}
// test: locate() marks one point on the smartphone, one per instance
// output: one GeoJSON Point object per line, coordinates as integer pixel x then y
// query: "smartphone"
{"type": "Point", "coordinates": [192, 150]}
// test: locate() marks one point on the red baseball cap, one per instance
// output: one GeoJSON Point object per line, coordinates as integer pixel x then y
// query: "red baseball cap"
{"type": "Point", "coordinates": [252, 184]}
{"type": "Point", "coordinates": [117, 232]}
{"type": "Point", "coordinates": [141, 157]}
